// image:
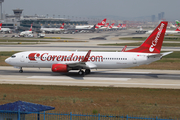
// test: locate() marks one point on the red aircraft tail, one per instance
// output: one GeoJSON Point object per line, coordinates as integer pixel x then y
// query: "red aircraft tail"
{"type": "Point", "coordinates": [31, 28]}
{"type": "Point", "coordinates": [178, 29]}
{"type": "Point", "coordinates": [102, 23]}
{"type": "Point", "coordinates": [154, 42]}
{"type": "Point", "coordinates": [62, 26]}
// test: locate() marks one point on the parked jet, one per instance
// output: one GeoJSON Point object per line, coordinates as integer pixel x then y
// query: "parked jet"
{"type": "Point", "coordinates": [4, 30]}
{"type": "Point", "coordinates": [64, 61]}
{"type": "Point", "coordinates": [141, 31]}
{"type": "Point", "coordinates": [167, 31]}
{"type": "Point", "coordinates": [25, 33]}
{"type": "Point", "coordinates": [82, 27]}
{"type": "Point", "coordinates": [51, 30]}
{"type": "Point", "coordinates": [111, 26]}
{"type": "Point", "coordinates": [104, 27]}
{"type": "Point", "coordinates": [123, 26]}
{"type": "Point", "coordinates": [116, 27]}
{"type": "Point", "coordinates": [177, 23]}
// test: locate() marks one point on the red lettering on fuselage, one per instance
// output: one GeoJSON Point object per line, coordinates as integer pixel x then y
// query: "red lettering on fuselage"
{"type": "Point", "coordinates": [72, 57]}
{"type": "Point", "coordinates": [42, 58]}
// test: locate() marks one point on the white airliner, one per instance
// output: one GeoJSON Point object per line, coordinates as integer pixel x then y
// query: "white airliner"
{"type": "Point", "coordinates": [6, 30]}
{"type": "Point", "coordinates": [111, 26]}
{"type": "Point", "coordinates": [167, 31]}
{"type": "Point", "coordinates": [81, 27]}
{"type": "Point", "coordinates": [116, 27]}
{"type": "Point", "coordinates": [64, 61]}
{"type": "Point", "coordinates": [53, 29]}
{"type": "Point", "coordinates": [25, 33]}
{"type": "Point", "coordinates": [104, 27]}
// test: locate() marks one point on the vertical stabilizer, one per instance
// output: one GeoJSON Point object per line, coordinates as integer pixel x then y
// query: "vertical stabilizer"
{"type": "Point", "coordinates": [178, 28]}
{"type": "Point", "coordinates": [62, 26]}
{"type": "Point", "coordinates": [31, 28]}
{"type": "Point", "coordinates": [154, 42]}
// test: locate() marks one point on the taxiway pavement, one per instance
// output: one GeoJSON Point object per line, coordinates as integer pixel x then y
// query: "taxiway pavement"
{"type": "Point", "coordinates": [106, 77]}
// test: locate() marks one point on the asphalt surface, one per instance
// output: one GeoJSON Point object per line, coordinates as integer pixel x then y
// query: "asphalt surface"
{"type": "Point", "coordinates": [105, 77]}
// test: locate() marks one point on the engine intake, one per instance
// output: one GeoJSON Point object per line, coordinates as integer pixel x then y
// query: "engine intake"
{"type": "Point", "coordinates": [59, 68]}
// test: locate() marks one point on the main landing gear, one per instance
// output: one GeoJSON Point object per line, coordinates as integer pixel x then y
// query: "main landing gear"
{"type": "Point", "coordinates": [81, 72]}
{"type": "Point", "coordinates": [21, 70]}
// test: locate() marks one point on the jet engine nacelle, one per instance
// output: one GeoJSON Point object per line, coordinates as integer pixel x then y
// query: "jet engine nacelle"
{"type": "Point", "coordinates": [59, 68]}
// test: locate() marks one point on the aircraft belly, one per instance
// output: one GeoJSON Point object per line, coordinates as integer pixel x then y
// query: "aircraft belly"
{"type": "Point", "coordinates": [112, 65]}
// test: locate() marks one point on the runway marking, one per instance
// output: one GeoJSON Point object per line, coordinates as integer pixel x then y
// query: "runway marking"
{"type": "Point", "coordinates": [80, 78]}
{"type": "Point", "coordinates": [84, 82]}
{"type": "Point", "coordinates": [122, 72]}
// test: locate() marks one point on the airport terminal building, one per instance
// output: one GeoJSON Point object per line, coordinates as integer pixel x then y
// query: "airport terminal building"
{"type": "Point", "coordinates": [39, 22]}
{"type": "Point", "coordinates": [17, 22]}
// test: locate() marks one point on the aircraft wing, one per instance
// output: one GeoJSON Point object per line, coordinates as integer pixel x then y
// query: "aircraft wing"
{"type": "Point", "coordinates": [124, 49]}
{"type": "Point", "coordinates": [83, 64]}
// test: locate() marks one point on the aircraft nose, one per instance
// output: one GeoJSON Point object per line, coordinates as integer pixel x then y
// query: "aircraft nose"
{"type": "Point", "coordinates": [7, 60]}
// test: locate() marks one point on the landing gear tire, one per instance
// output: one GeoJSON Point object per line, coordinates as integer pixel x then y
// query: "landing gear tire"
{"type": "Point", "coordinates": [81, 72]}
{"type": "Point", "coordinates": [21, 71]}
{"type": "Point", "coordinates": [87, 71]}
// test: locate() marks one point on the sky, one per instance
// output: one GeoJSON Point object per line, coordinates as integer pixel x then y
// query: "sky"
{"type": "Point", "coordinates": [96, 8]}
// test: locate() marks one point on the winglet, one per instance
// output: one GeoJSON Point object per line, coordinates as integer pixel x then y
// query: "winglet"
{"type": "Point", "coordinates": [123, 50]}
{"type": "Point", "coordinates": [86, 57]}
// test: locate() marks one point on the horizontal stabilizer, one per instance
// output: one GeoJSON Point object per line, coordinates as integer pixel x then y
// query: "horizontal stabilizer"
{"type": "Point", "coordinates": [166, 53]}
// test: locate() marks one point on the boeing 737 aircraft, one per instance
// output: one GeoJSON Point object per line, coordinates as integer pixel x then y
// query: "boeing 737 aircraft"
{"type": "Point", "coordinates": [82, 27]}
{"type": "Point", "coordinates": [104, 27]}
{"type": "Point", "coordinates": [6, 30]}
{"type": "Point", "coordinates": [177, 23]}
{"type": "Point", "coordinates": [53, 29]}
{"type": "Point", "coordinates": [111, 26]}
{"type": "Point", "coordinates": [167, 31]}
{"type": "Point", "coordinates": [26, 32]}
{"type": "Point", "coordinates": [64, 61]}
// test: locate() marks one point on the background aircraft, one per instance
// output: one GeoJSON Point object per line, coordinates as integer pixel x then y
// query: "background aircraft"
{"type": "Point", "coordinates": [51, 30]}
{"type": "Point", "coordinates": [167, 31]}
{"type": "Point", "coordinates": [104, 27]}
{"type": "Point", "coordinates": [83, 27]}
{"type": "Point", "coordinates": [4, 30]}
{"type": "Point", "coordinates": [111, 26]}
{"type": "Point", "coordinates": [26, 33]}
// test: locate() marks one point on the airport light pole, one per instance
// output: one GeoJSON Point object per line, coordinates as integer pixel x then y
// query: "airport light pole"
{"type": "Point", "coordinates": [1, 14]}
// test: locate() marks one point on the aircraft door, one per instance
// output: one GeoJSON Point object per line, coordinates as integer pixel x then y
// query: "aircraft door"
{"type": "Point", "coordinates": [134, 60]}
{"type": "Point", "coordinates": [22, 58]}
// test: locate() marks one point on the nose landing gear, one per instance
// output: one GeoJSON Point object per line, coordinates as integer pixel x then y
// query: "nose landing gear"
{"type": "Point", "coordinates": [21, 70]}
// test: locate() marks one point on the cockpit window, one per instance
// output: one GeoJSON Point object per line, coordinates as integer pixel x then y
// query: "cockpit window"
{"type": "Point", "coordinates": [13, 56]}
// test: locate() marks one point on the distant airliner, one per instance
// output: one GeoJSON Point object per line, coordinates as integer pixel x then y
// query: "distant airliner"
{"type": "Point", "coordinates": [64, 61]}
{"type": "Point", "coordinates": [53, 29]}
{"type": "Point", "coordinates": [167, 31]}
{"type": "Point", "coordinates": [6, 30]}
{"type": "Point", "coordinates": [27, 32]}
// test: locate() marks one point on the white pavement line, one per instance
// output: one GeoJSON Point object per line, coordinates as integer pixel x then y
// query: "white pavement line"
{"type": "Point", "coordinates": [121, 72]}
{"type": "Point", "coordinates": [84, 82]}
{"type": "Point", "coordinates": [79, 78]}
